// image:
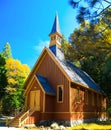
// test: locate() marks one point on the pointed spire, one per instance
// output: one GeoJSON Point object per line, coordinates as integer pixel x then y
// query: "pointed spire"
{"type": "Point", "coordinates": [56, 27]}
{"type": "Point", "coordinates": [55, 35]}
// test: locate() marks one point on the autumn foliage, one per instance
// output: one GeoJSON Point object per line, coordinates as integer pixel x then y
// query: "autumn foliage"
{"type": "Point", "coordinates": [15, 73]}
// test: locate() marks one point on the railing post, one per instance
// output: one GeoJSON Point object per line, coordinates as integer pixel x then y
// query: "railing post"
{"type": "Point", "coordinates": [19, 122]}
{"type": "Point", "coordinates": [23, 118]}
{"type": "Point", "coordinates": [7, 121]}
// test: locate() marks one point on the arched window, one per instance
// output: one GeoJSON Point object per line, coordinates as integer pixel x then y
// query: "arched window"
{"type": "Point", "coordinates": [59, 93]}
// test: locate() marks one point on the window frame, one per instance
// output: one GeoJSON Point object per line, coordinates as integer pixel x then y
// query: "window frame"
{"type": "Point", "coordinates": [59, 86]}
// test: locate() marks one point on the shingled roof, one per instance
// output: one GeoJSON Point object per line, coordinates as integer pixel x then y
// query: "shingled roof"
{"type": "Point", "coordinates": [45, 84]}
{"type": "Point", "coordinates": [75, 73]}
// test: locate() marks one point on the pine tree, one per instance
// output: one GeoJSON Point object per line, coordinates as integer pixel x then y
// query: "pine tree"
{"type": "Point", "coordinates": [3, 79]}
{"type": "Point", "coordinates": [16, 76]}
{"type": "Point", "coordinates": [7, 51]}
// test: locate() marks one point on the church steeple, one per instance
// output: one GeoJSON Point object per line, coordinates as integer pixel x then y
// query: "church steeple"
{"type": "Point", "coordinates": [55, 34]}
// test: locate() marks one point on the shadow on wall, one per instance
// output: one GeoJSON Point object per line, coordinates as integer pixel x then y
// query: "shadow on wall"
{"type": "Point", "coordinates": [90, 107]}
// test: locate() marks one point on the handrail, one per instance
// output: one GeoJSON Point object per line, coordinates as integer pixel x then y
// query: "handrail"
{"type": "Point", "coordinates": [24, 114]}
{"type": "Point", "coordinates": [23, 118]}
{"type": "Point", "coordinates": [15, 117]}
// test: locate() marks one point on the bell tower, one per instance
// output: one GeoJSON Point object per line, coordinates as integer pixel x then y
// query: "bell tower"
{"type": "Point", "coordinates": [55, 34]}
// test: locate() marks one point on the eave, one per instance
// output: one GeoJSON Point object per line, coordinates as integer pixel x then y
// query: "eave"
{"type": "Point", "coordinates": [34, 68]}
{"type": "Point", "coordinates": [85, 87]}
{"type": "Point", "coordinates": [38, 63]}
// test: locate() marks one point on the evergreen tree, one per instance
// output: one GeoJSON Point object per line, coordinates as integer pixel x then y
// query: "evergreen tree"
{"type": "Point", "coordinates": [16, 76]}
{"type": "Point", "coordinates": [92, 52]}
{"type": "Point", "coordinates": [7, 51]}
{"type": "Point", "coordinates": [91, 10]}
{"type": "Point", "coordinates": [12, 77]}
{"type": "Point", "coordinates": [3, 79]}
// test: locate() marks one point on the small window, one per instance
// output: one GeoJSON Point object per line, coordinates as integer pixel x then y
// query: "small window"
{"type": "Point", "coordinates": [78, 95]}
{"type": "Point", "coordinates": [60, 93]}
{"type": "Point", "coordinates": [86, 97]}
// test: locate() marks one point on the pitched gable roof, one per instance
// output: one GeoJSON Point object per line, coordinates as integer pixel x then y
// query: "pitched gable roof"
{"type": "Point", "coordinates": [45, 84]}
{"type": "Point", "coordinates": [72, 72]}
{"type": "Point", "coordinates": [37, 65]}
{"type": "Point", "coordinates": [76, 75]}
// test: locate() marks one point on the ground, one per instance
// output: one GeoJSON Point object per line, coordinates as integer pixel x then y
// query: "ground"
{"type": "Point", "coordinates": [90, 126]}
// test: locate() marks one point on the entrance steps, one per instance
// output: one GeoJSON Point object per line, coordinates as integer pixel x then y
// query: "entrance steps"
{"type": "Point", "coordinates": [21, 119]}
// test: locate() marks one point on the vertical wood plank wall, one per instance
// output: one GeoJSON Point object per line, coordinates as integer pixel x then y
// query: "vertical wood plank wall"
{"type": "Point", "coordinates": [82, 110]}
{"type": "Point", "coordinates": [61, 111]}
{"type": "Point", "coordinates": [55, 77]}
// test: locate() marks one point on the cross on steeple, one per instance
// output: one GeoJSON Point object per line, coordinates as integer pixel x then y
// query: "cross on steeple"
{"type": "Point", "coordinates": [55, 34]}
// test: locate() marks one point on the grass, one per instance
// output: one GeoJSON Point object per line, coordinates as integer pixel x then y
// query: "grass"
{"type": "Point", "coordinates": [91, 127]}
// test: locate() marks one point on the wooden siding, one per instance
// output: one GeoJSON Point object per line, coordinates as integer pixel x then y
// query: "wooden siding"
{"type": "Point", "coordinates": [49, 69]}
{"type": "Point", "coordinates": [47, 116]}
{"type": "Point", "coordinates": [55, 116]}
{"type": "Point", "coordinates": [34, 118]}
{"type": "Point", "coordinates": [35, 86]}
{"type": "Point", "coordinates": [69, 109]}
{"type": "Point", "coordinates": [49, 103]}
{"type": "Point", "coordinates": [82, 110]}
{"type": "Point", "coordinates": [87, 115]}
{"type": "Point", "coordinates": [62, 116]}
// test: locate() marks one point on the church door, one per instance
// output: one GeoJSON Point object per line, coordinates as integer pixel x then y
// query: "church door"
{"type": "Point", "coordinates": [35, 100]}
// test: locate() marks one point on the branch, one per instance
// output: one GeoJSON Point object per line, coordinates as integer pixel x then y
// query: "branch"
{"type": "Point", "coordinates": [103, 10]}
{"type": "Point", "coordinates": [107, 1]}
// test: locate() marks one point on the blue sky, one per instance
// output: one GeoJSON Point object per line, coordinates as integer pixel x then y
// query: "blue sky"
{"type": "Point", "coordinates": [26, 24]}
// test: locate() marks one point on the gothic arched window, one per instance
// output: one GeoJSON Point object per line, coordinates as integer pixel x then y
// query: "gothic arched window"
{"type": "Point", "coordinates": [59, 93]}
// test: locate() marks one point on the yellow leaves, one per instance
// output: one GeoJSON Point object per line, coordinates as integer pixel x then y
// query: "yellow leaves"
{"type": "Point", "coordinates": [12, 81]}
{"type": "Point", "coordinates": [25, 70]}
{"type": "Point", "coordinates": [107, 36]}
{"type": "Point", "coordinates": [15, 72]}
{"type": "Point", "coordinates": [15, 68]}
{"type": "Point", "coordinates": [11, 63]}
{"type": "Point", "coordinates": [10, 89]}
{"type": "Point", "coordinates": [12, 73]}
